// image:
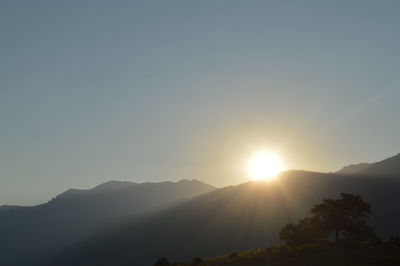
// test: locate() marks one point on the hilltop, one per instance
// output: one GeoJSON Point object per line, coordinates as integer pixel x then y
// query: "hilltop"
{"type": "Point", "coordinates": [363, 254]}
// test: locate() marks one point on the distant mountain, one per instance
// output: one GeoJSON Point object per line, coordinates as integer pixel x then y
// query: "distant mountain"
{"type": "Point", "coordinates": [27, 234]}
{"type": "Point", "coordinates": [231, 219]}
{"type": "Point", "coordinates": [353, 169]}
{"type": "Point", "coordinates": [107, 187]}
{"type": "Point", "coordinates": [113, 185]}
{"type": "Point", "coordinates": [8, 207]}
{"type": "Point", "coordinates": [387, 167]}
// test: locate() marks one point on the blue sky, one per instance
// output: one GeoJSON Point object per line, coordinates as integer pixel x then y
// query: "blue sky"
{"type": "Point", "coordinates": [165, 90]}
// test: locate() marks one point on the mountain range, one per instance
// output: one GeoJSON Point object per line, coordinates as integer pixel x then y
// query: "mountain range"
{"type": "Point", "coordinates": [123, 223]}
{"type": "Point", "coordinates": [231, 219]}
{"type": "Point", "coordinates": [75, 214]}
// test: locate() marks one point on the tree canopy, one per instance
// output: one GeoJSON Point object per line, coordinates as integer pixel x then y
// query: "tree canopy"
{"type": "Point", "coordinates": [308, 230]}
{"type": "Point", "coordinates": [347, 216]}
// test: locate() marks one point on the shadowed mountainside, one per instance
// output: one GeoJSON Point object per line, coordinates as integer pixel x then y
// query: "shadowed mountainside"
{"type": "Point", "coordinates": [41, 230]}
{"type": "Point", "coordinates": [8, 207]}
{"type": "Point", "coordinates": [230, 219]}
{"type": "Point", "coordinates": [387, 167]}
{"type": "Point", "coordinates": [353, 169]}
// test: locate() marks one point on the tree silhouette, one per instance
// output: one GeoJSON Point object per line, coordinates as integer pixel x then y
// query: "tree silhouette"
{"type": "Point", "coordinates": [347, 216]}
{"type": "Point", "coordinates": [308, 230]}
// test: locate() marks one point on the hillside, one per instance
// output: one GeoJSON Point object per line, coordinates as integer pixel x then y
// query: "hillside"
{"type": "Point", "coordinates": [353, 169]}
{"type": "Point", "coordinates": [39, 231]}
{"type": "Point", "coordinates": [234, 218]}
{"type": "Point", "coordinates": [312, 255]}
{"type": "Point", "coordinates": [387, 167]}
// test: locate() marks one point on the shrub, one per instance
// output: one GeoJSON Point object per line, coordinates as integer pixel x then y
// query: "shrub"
{"type": "Point", "coordinates": [233, 255]}
{"type": "Point", "coordinates": [197, 260]}
{"type": "Point", "coordinates": [375, 240]}
{"type": "Point", "coordinates": [162, 262]}
{"type": "Point", "coordinates": [394, 240]}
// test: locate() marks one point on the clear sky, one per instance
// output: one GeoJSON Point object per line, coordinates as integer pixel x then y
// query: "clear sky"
{"type": "Point", "coordinates": [164, 90]}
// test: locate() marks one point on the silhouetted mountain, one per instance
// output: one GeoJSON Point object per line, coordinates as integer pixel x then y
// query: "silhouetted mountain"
{"type": "Point", "coordinates": [230, 219]}
{"type": "Point", "coordinates": [107, 187]}
{"type": "Point", "coordinates": [113, 185]}
{"type": "Point", "coordinates": [387, 167]}
{"type": "Point", "coordinates": [28, 234]}
{"type": "Point", "coordinates": [8, 207]}
{"type": "Point", "coordinates": [353, 169]}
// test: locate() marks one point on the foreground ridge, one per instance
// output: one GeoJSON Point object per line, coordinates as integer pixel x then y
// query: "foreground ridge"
{"type": "Point", "coordinates": [327, 254]}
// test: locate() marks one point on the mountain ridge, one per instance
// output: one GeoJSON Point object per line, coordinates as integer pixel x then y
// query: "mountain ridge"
{"type": "Point", "coordinates": [387, 167]}
{"type": "Point", "coordinates": [242, 217]}
{"type": "Point", "coordinates": [75, 214]}
{"type": "Point", "coordinates": [169, 219]}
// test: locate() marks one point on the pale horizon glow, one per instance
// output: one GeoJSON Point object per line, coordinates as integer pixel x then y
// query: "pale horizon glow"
{"type": "Point", "coordinates": [264, 165]}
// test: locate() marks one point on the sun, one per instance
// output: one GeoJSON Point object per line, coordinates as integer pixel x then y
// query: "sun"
{"type": "Point", "coordinates": [264, 165]}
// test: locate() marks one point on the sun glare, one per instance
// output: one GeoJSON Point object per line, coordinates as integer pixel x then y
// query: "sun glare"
{"type": "Point", "coordinates": [264, 165]}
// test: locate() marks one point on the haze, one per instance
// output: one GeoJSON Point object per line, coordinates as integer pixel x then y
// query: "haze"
{"type": "Point", "coordinates": [165, 90]}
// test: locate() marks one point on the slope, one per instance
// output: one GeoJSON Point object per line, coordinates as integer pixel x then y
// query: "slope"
{"type": "Point", "coordinates": [230, 219]}
{"type": "Point", "coordinates": [45, 229]}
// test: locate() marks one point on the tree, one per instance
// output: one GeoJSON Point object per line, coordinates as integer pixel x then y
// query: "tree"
{"type": "Point", "coordinates": [290, 235]}
{"type": "Point", "coordinates": [359, 232]}
{"type": "Point", "coordinates": [347, 215]}
{"type": "Point", "coordinates": [307, 231]}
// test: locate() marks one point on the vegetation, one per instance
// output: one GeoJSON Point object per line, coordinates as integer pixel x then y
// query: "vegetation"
{"type": "Point", "coordinates": [308, 231]}
{"type": "Point", "coordinates": [307, 242]}
{"type": "Point", "coordinates": [327, 254]}
{"type": "Point", "coordinates": [347, 216]}
{"type": "Point", "coordinates": [197, 260]}
{"type": "Point", "coordinates": [162, 262]}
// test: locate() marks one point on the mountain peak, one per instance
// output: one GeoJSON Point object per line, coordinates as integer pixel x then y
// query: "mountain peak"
{"type": "Point", "coordinates": [113, 185]}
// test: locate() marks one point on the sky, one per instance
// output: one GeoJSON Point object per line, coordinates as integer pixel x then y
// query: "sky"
{"type": "Point", "coordinates": [148, 91]}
